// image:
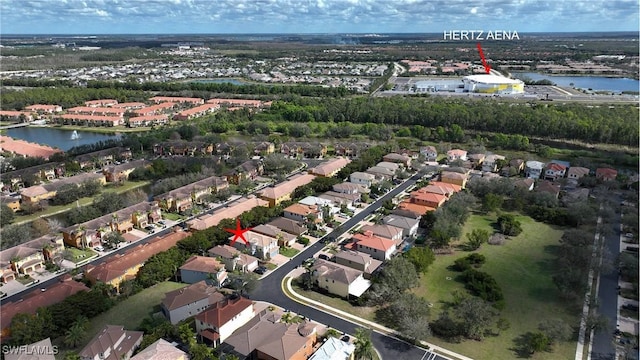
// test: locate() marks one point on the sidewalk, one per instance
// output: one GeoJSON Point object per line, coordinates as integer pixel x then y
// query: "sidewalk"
{"type": "Point", "coordinates": [349, 317]}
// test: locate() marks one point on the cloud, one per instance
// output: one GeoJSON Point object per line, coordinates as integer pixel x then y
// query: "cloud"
{"type": "Point", "coordinates": [167, 16]}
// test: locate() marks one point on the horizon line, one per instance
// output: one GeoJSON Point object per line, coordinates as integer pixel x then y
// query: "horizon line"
{"type": "Point", "coordinates": [317, 33]}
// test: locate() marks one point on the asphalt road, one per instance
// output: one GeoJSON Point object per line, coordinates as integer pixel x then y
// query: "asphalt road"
{"type": "Point", "coordinates": [603, 347]}
{"type": "Point", "coordinates": [270, 291]}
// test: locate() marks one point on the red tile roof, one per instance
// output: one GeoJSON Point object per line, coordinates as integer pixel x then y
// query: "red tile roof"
{"type": "Point", "coordinates": [24, 148]}
{"type": "Point", "coordinates": [53, 295]}
{"type": "Point", "coordinates": [202, 264]}
{"type": "Point", "coordinates": [374, 242]}
{"type": "Point", "coordinates": [223, 311]}
{"type": "Point", "coordinates": [118, 265]}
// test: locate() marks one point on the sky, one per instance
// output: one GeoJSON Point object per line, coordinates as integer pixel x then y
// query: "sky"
{"type": "Point", "coordinates": [313, 16]}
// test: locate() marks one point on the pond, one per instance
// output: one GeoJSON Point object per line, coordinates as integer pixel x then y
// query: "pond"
{"type": "Point", "coordinates": [58, 138]}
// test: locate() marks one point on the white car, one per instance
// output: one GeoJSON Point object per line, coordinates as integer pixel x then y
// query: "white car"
{"type": "Point", "coordinates": [98, 248]}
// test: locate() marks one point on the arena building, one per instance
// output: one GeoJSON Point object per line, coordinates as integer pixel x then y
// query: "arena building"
{"type": "Point", "coordinates": [492, 84]}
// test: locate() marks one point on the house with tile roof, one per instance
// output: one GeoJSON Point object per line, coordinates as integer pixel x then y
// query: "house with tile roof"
{"type": "Point", "coordinates": [330, 167]}
{"type": "Point", "coordinates": [287, 225]}
{"type": "Point", "coordinates": [29, 258]}
{"type": "Point", "coordinates": [526, 183]}
{"type": "Point", "coordinates": [199, 268]}
{"type": "Point", "coordinates": [533, 169]}
{"type": "Point", "coordinates": [554, 171]}
{"type": "Point", "coordinates": [606, 174]}
{"type": "Point", "coordinates": [161, 350]}
{"type": "Point", "coordinates": [389, 165]}
{"type": "Point", "coordinates": [230, 211]}
{"type": "Point", "coordinates": [37, 299]}
{"type": "Point", "coordinates": [112, 343]}
{"type": "Point", "coordinates": [334, 349]}
{"type": "Point", "coordinates": [362, 178]}
{"type": "Point", "coordinates": [283, 237]}
{"type": "Point", "coordinates": [119, 268]}
{"type": "Point", "coordinates": [427, 198]}
{"type": "Point", "coordinates": [455, 178]}
{"type": "Point", "coordinates": [546, 186]}
{"type": "Point", "coordinates": [409, 226]}
{"type": "Point", "coordinates": [265, 337]}
{"type": "Point", "coordinates": [283, 191]}
{"type": "Point", "coordinates": [233, 259]}
{"type": "Point", "coordinates": [220, 320]}
{"type": "Point", "coordinates": [119, 173]}
{"type": "Point", "coordinates": [451, 188]}
{"type": "Point", "coordinates": [378, 247]}
{"type": "Point", "coordinates": [456, 154]}
{"type": "Point", "coordinates": [91, 233]}
{"type": "Point", "coordinates": [177, 99]}
{"type": "Point", "coordinates": [183, 198]}
{"type": "Point", "coordinates": [381, 173]}
{"type": "Point", "coordinates": [412, 209]}
{"type": "Point", "coordinates": [190, 300]}
{"type": "Point", "coordinates": [397, 158]}
{"type": "Point", "coordinates": [147, 120]}
{"type": "Point", "coordinates": [44, 108]}
{"type": "Point", "coordinates": [359, 261]}
{"type": "Point", "coordinates": [302, 213]}
{"type": "Point", "coordinates": [262, 246]}
{"type": "Point", "coordinates": [338, 279]}
{"type": "Point", "coordinates": [491, 162]}
{"type": "Point", "coordinates": [385, 231]}
{"type": "Point", "coordinates": [429, 152]}
{"type": "Point", "coordinates": [248, 170]}
{"type": "Point", "coordinates": [577, 172]}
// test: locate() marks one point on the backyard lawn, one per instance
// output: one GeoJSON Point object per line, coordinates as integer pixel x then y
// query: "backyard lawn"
{"type": "Point", "coordinates": [131, 311]}
{"type": "Point", "coordinates": [522, 267]}
{"type": "Point", "coordinates": [172, 216]}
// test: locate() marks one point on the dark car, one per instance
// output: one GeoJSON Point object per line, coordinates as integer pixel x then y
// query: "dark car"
{"type": "Point", "coordinates": [260, 270]}
{"type": "Point", "coordinates": [324, 257]}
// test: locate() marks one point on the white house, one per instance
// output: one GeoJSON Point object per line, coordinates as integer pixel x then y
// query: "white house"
{"type": "Point", "coordinates": [219, 321]}
{"type": "Point", "coordinates": [362, 178]}
{"type": "Point", "coordinates": [429, 152]}
{"type": "Point", "coordinates": [533, 169]}
{"type": "Point", "coordinates": [409, 226]}
{"type": "Point", "coordinates": [339, 279]}
{"type": "Point", "coordinates": [457, 154]}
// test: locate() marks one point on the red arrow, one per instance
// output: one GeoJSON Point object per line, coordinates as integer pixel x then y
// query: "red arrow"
{"type": "Point", "coordinates": [487, 68]}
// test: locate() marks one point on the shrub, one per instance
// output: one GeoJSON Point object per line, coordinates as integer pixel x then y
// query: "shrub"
{"type": "Point", "coordinates": [483, 285]}
{"type": "Point", "coordinates": [303, 240]}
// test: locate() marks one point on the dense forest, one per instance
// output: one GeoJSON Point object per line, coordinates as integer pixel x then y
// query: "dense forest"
{"type": "Point", "coordinates": [595, 124]}
{"type": "Point", "coordinates": [589, 123]}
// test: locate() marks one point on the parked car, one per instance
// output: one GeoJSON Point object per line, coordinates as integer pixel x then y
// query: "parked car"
{"type": "Point", "coordinates": [324, 257]}
{"type": "Point", "coordinates": [98, 248]}
{"type": "Point", "coordinates": [261, 270]}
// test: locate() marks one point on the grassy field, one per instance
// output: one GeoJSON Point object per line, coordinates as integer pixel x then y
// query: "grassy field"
{"type": "Point", "coordinates": [522, 267]}
{"type": "Point", "coordinates": [131, 311]}
{"type": "Point", "coordinates": [58, 209]}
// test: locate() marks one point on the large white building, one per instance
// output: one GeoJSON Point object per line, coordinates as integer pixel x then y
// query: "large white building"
{"type": "Point", "coordinates": [492, 84]}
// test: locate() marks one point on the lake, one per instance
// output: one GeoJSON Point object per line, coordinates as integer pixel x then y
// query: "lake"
{"type": "Point", "coordinates": [585, 82]}
{"type": "Point", "coordinates": [58, 138]}
{"type": "Point", "coordinates": [222, 81]}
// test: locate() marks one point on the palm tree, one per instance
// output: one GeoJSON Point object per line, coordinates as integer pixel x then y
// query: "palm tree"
{"type": "Point", "coordinates": [83, 239]}
{"type": "Point", "coordinates": [74, 336]}
{"type": "Point", "coordinates": [332, 333]}
{"type": "Point", "coordinates": [364, 345]}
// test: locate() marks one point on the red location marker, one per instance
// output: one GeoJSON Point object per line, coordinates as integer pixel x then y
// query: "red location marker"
{"type": "Point", "coordinates": [238, 233]}
{"type": "Point", "coordinates": [487, 68]}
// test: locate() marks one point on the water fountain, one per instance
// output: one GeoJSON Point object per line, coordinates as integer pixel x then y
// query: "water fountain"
{"type": "Point", "coordinates": [74, 135]}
